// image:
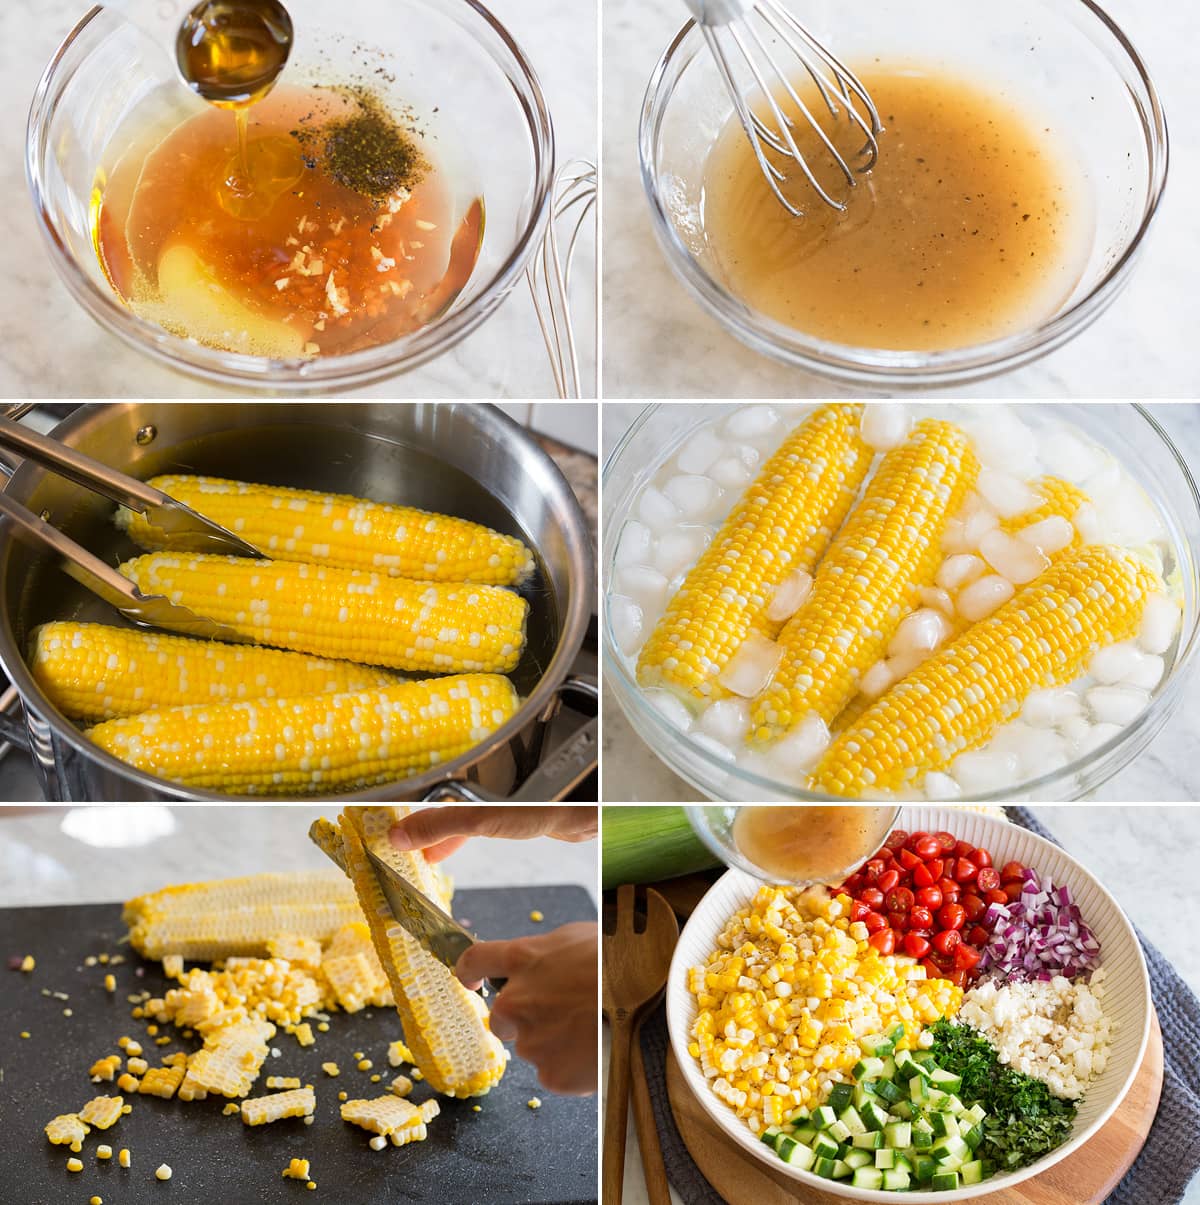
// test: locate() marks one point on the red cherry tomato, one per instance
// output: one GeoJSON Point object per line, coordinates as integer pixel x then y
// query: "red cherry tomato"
{"type": "Point", "coordinates": [873, 869]}
{"type": "Point", "coordinates": [997, 897]}
{"type": "Point", "coordinates": [958, 977]}
{"type": "Point", "coordinates": [1013, 890]}
{"type": "Point", "coordinates": [929, 897]}
{"type": "Point", "coordinates": [927, 848]}
{"type": "Point", "coordinates": [854, 884]}
{"type": "Point", "coordinates": [978, 936]}
{"type": "Point", "coordinates": [884, 854]}
{"type": "Point", "coordinates": [947, 886]}
{"type": "Point", "coordinates": [948, 865]}
{"type": "Point", "coordinates": [858, 911]}
{"type": "Point", "coordinates": [915, 946]}
{"type": "Point", "coordinates": [907, 859]}
{"type": "Point", "coordinates": [1012, 872]}
{"type": "Point", "coordinates": [898, 921]}
{"type": "Point", "coordinates": [946, 840]}
{"type": "Point", "coordinates": [920, 918]}
{"type": "Point", "coordinates": [896, 839]}
{"type": "Point", "coordinates": [937, 867]}
{"type": "Point", "coordinates": [965, 957]}
{"type": "Point", "coordinates": [974, 907]}
{"type": "Point", "coordinates": [931, 968]}
{"type": "Point", "coordinates": [872, 897]}
{"type": "Point", "coordinates": [884, 941]}
{"type": "Point", "coordinates": [963, 849]}
{"type": "Point", "coordinates": [914, 838]}
{"type": "Point", "coordinates": [981, 857]}
{"type": "Point", "coordinates": [951, 916]}
{"type": "Point", "coordinates": [947, 941]}
{"type": "Point", "coordinates": [965, 870]}
{"type": "Point", "coordinates": [922, 876]}
{"type": "Point", "coordinates": [988, 879]}
{"type": "Point", "coordinates": [888, 881]}
{"type": "Point", "coordinates": [874, 922]}
{"type": "Point", "coordinates": [943, 963]}
{"type": "Point", "coordinates": [900, 899]}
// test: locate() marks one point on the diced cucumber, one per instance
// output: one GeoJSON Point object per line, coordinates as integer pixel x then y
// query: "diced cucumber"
{"type": "Point", "coordinates": [901, 1109]}
{"type": "Point", "coordinates": [906, 1065]}
{"type": "Point", "coordinates": [973, 1136]}
{"type": "Point", "coordinates": [844, 1148]}
{"type": "Point", "coordinates": [944, 1181]}
{"type": "Point", "coordinates": [868, 1068]}
{"type": "Point", "coordinates": [918, 1090]}
{"type": "Point", "coordinates": [923, 1056]}
{"type": "Point", "coordinates": [973, 1116]}
{"type": "Point", "coordinates": [784, 1144]}
{"type": "Point", "coordinates": [889, 1068]}
{"type": "Point", "coordinates": [798, 1155]}
{"type": "Point", "coordinates": [769, 1135]}
{"type": "Point", "coordinates": [877, 1045]}
{"type": "Point", "coordinates": [856, 1159]}
{"type": "Point", "coordinates": [867, 1177]}
{"type": "Point", "coordinates": [937, 1099]}
{"type": "Point", "coordinates": [872, 1140]}
{"type": "Point", "coordinates": [802, 1114]}
{"type": "Point", "coordinates": [922, 1135]}
{"type": "Point", "coordinates": [972, 1173]}
{"type": "Point", "coordinates": [852, 1121]}
{"type": "Point", "coordinates": [896, 1033]}
{"type": "Point", "coordinates": [898, 1134]}
{"type": "Point", "coordinates": [874, 1118]}
{"type": "Point", "coordinates": [823, 1167]}
{"type": "Point", "coordinates": [885, 1158]}
{"type": "Point", "coordinates": [822, 1144]}
{"type": "Point", "coordinates": [902, 1163]}
{"type": "Point", "coordinates": [954, 1148]}
{"type": "Point", "coordinates": [841, 1096]}
{"type": "Point", "coordinates": [944, 1125]}
{"type": "Point", "coordinates": [863, 1092]}
{"type": "Point", "coordinates": [949, 1163]}
{"type": "Point", "coordinates": [925, 1168]}
{"type": "Point", "coordinates": [954, 1105]}
{"type": "Point", "coordinates": [888, 1091]}
{"type": "Point", "coordinates": [804, 1134]}
{"type": "Point", "coordinates": [946, 1080]}
{"type": "Point", "coordinates": [896, 1181]}
{"type": "Point", "coordinates": [839, 1130]}
{"type": "Point", "coordinates": [841, 1170]}
{"type": "Point", "coordinates": [823, 1117]}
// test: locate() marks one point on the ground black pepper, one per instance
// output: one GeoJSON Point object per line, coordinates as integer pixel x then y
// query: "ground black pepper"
{"type": "Point", "coordinates": [370, 152]}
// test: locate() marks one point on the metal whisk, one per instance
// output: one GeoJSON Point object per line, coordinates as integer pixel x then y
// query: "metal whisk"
{"type": "Point", "coordinates": [742, 29]}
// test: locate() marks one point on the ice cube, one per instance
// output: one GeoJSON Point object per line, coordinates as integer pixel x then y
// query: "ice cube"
{"type": "Point", "coordinates": [694, 496]}
{"type": "Point", "coordinates": [1050, 535]}
{"type": "Point", "coordinates": [646, 587]}
{"type": "Point", "coordinates": [979, 772]}
{"type": "Point", "coordinates": [876, 680]}
{"type": "Point", "coordinates": [1117, 704]}
{"type": "Point", "coordinates": [713, 746]}
{"type": "Point", "coordinates": [954, 538]}
{"type": "Point", "coordinates": [983, 597]}
{"type": "Point", "coordinates": [938, 599]}
{"type": "Point", "coordinates": [790, 595]}
{"type": "Point", "coordinates": [939, 786]}
{"type": "Point", "coordinates": [680, 549]}
{"type": "Point", "coordinates": [922, 631]}
{"type": "Point", "coordinates": [1008, 496]}
{"type": "Point", "coordinates": [1160, 622]}
{"type": "Point", "coordinates": [1148, 674]}
{"type": "Point", "coordinates": [1050, 708]}
{"type": "Point", "coordinates": [670, 708]}
{"type": "Point", "coordinates": [885, 425]}
{"type": "Point", "coordinates": [903, 664]}
{"type": "Point", "coordinates": [1066, 454]}
{"type": "Point", "coordinates": [979, 521]}
{"type": "Point", "coordinates": [792, 758]}
{"type": "Point", "coordinates": [634, 545]}
{"type": "Point", "coordinates": [1003, 441]}
{"type": "Point", "coordinates": [751, 422]}
{"type": "Point", "coordinates": [1086, 520]}
{"type": "Point", "coordinates": [1116, 663]}
{"type": "Point", "coordinates": [1127, 515]}
{"type": "Point", "coordinates": [701, 451]}
{"type": "Point", "coordinates": [1097, 735]}
{"type": "Point", "coordinates": [1041, 751]}
{"type": "Point", "coordinates": [731, 473]}
{"type": "Point", "coordinates": [726, 720]}
{"type": "Point", "coordinates": [1012, 558]}
{"type": "Point", "coordinates": [1077, 731]}
{"type": "Point", "coordinates": [656, 509]}
{"type": "Point", "coordinates": [625, 616]}
{"type": "Point", "coordinates": [960, 570]}
{"type": "Point", "coordinates": [749, 670]}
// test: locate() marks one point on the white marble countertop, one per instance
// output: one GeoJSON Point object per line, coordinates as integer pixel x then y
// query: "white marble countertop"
{"type": "Point", "coordinates": [659, 343]}
{"type": "Point", "coordinates": [1168, 770]}
{"type": "Point", "coordinates": [98, 854]}
{"type": "Point", "coordinates": [1143, 855]}
{"type": "Point", "coordinates": [50, 348]}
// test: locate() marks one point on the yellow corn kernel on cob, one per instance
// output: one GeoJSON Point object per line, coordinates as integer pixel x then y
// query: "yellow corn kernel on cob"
{"type": "Point", "coordinates": [445, 1025]}
{"type": "Point", "coordinates": [91, 671]}
{"type": "Point", "coordinates": [424, 627]}
{"type": "Point", "coordinates": [283, 1083]}
{"type": "Point", "coordinates": [1044, 636]}
{"type": "Point", "coordinates": [299, 950]}
{"type": "Point", "coordinates": [262, 1110]}
{"type": "Point", "coordinates": [782, 524]}
{"type": "Point", "coordinates": [102, 1112]}
{"type": "Point", "coordinates": [388, 1116]}
{"type": "Point", "coordinates": [889, 547]}
{"type": "Point", "coordinates": [237, 917]}
{"type": "Point", "coordinates": [162, 1081]}
{"type": "Point", "coordinates": [338, 529]}
{"type": "Point", "coordinates": [316, 744]}
{"type": "Point", "coordinates": [1061, 499]}
{"type": "Point", "coordinates": [231, 1058]}
{"type": "Point", "coordinates": [67, 1129]}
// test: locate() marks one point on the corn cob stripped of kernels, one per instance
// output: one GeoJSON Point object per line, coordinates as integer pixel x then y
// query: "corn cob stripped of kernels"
{"type": "Point", "coordinates": [782, 525]}
{"type": "Point", "coordinates": [888, 549]}
{"type": "Point", "coordinates": [346, 614]}
{"type": "Point", "coordinates": [954, 701]}
{"type": "Point", "coordinates": [338, 529]}
{"type": "Point", "coordinates": [315, 744]}
{"type": "Point", "coordinates": [784, 999]}
{"type": "Point", "coordinates": [262, 1110]}
{"type": "Point", "coordinates": [237, 917]}
{"type": "Point", "coordinates": [92, 672]}
{"type": "Point", "coordinates": [445, 1025]}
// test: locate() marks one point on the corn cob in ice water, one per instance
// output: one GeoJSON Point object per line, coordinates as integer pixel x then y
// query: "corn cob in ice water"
{"type": "Point", "coordinates": [315, 744]}
{"type": "Point", "coordinates": [338, 529]}
{"type": "Point", "coordinates": [954, 701]}
{"type": "Point", "coordinates": [889, 547]}
{"type": "Point", "coordinates": [425, 627]}
{"type": "Point", "coordinates": [93, 672]}
{"type": "Point", "coordinates": [780, 527]}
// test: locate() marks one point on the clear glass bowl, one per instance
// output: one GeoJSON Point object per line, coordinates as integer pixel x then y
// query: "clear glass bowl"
{"type": "Point", "coordinates": [1064, 60]}
{"type": "Point", "coordinates": [451, 60]}
{"type": "Point", "coordinates": [1128, 431]}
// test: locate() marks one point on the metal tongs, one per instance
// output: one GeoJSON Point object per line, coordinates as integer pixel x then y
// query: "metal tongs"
{"type": "Point", "coordinates": [145, 610]}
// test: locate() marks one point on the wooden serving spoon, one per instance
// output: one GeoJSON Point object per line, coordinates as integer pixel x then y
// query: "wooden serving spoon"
{"type": "Point", "coordinates": [635, 971]}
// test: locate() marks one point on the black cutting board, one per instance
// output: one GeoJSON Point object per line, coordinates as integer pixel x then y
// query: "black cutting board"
{"type": "Point", "coordinates": [507, 1154]}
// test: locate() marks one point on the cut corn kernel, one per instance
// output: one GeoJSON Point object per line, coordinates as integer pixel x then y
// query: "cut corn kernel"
{"type": "Point", "coordinates": [28, 963]}
{"type": "Point", "coordinates": [398, 1054]}
{"type": "Point", "coordinates": [106, 1068]}
{"type": "Point", "coordinates": [331, 1069]}
{"type": "Point", "coordinates": [231, 1058]}
{"type": "Point", "coordinates": [123, 1157]}
{"type": "Point", "coordinates": [402, 1085]}
{"type": "Point", "coordinates": [298, 1169]}
{"type": "Point", "coordinates": [378, 1143]}
{"type": "Point", "coordinates": [365, 1064]}
{"type": "Point", "coordinates": [162, 1172]}
{"type": "Point", "coordinates": [262, 1110]}
{"type": "Point", "coordinates": [536, 917]}
{"type": "Point", "coordinates": [162, 1082]}
{"type": "Point", "coordinates": [104, 1152]}
{"type": "Point", "coordinates": [74, 1165]}
{"type": "Point", "coordinates": [230, 1109]}
{"type": "Point", "coordinates": [137, 1066]}
{"type": "Point", "coordinates": [110, 983]}
{"type": "Point", "coordinates": [534, 1102]}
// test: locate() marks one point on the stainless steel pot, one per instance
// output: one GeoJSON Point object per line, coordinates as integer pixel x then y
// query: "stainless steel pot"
{"type": "Point", "coordinates": [463, 458]}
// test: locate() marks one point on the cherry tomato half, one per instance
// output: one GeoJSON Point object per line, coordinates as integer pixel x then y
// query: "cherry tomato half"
{"type": "Point", "coordinates": [958, 977]}
{"type": "Point", "coordinates": [888, 881]}
{"type": "Point", "coordinates": [874, 922]}
{"type": "Point", "coordinates": [951, 916]}
{"type": "Point", "coordinates": [974, 907]}
{"type": "Point", "coordinates": [915, 946]}
{"type": "Point", "coordinates": [922, 876]}
{"type": "Point", "coordinates": [978, 936]}
{"type": "Point", "coordinates": [966, 957]}
{"type": "Point", "coordinates": [920, 918]}
{"type": "Point", "coordinates": [1013, 890]}
{"type": "Point", "coordinates": [884, 941]}
{"type": "Point", "coordinates": [948, 886]}
{"type": "Point", "coordinates": [965, 870]}
{"type": "Point", "coordinates": [896, 839]}
{"type": "Point", "coordinates": [873, 869]}
{"type": "Point", "coordinates": [997, 897]}
{"type": "Point", "coordinates": [988, 879]}
{"type": "Point", "coordinates": [898, 920]}
{"type": "Point", "coordinates": [927, 848]}
{"type": "Point", "coordinates": [930, 897]}
{"type": "Point", "coordinates": [901, 899]}
{"type": "Point", "coordinates": [981, 857]}
{"type": "Point", "coordinates": [1012, 872]}
{"type": "Point", "coordinates": [947, 941]}
{"type": "Point", "coordinates": [858, 910]}
{"type": "Point", "coordinates": [946, 840]}
{"type": "Point", "coordinates": [872, 897]}
{"type": "Point", "coordinates": [964, 849]}
{"type": "Point", "coordinates": [908, 859]}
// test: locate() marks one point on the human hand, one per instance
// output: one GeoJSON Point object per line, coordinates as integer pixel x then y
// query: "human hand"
{"type": "Point", "coordinates": [548, 1005]}
{"type": "Point", "coordinates": [439, 831]}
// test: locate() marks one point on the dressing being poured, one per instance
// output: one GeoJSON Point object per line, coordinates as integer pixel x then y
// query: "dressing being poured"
{"type": "Point", "coordinates": [807, 845]}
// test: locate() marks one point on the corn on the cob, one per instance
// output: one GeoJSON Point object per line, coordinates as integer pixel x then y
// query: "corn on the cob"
{"type": "Point", "coordinates": [346, 614]}
{"type": "Point", "coordinates": [951, 703]}
{"type": "Point", "coordinates": [1060, 499]}
{"type": "Point", "coordinates": [316, 744]}
{"type": "Point", "coordinates": [889, 547]}
{"type": "Point", "coordinates": [102, 1112]}
{"type": "Point", "coordinates": [262, 1110]}
{"type": "Point", "coordinates": [231, 1058]}
{"type": "Point", "coordinates": [781, 525]}
{"type": "Point", "coordinates": [92, 672]}
{"type": "Point", "coordinates": [389, 1117]}
{"type": "Point", "coordinates": [445, 1025]}
{"type": "Point", "coordinates": [338, 529]}
{"type": "Point", "coordinates": [237, 917]}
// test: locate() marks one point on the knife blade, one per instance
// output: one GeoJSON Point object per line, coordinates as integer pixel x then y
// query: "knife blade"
{"type": "Point", "coordinates": [438, 932]}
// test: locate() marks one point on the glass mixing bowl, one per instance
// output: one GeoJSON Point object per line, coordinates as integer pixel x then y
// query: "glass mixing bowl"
{"type": "Point", "coordinates": [1128, 431]}
{"type": "Point", "coordinates": [1064, 61]}
{"type": "Point", "coordinates": [452, 62]}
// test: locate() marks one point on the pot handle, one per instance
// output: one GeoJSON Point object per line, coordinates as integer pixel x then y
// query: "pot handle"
{"type": "Point", "coordinates": [12, 721]}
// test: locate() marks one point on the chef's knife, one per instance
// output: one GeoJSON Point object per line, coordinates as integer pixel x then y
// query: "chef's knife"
{"type": "Point", "coordinates": [437, 932]}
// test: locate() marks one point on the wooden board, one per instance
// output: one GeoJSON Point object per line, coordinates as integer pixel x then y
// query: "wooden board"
{"type": "Point", "coordinates": [1084, 1178]}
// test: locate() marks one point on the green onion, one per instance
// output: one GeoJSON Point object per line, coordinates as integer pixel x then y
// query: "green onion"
{"type": "Point", "coordinates": [645, 844]}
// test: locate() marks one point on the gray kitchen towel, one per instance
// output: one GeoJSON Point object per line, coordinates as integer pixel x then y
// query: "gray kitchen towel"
{"type": "Point", "coordinates": [1169, 1160]}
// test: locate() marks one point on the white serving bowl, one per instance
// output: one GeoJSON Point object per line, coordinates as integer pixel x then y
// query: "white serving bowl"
{"type": "Point", "coordinates": [1126, 1002]}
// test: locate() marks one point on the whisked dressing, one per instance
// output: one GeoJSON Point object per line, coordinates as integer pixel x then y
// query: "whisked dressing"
{"type": "Point", "coordinates": [964, 231]}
